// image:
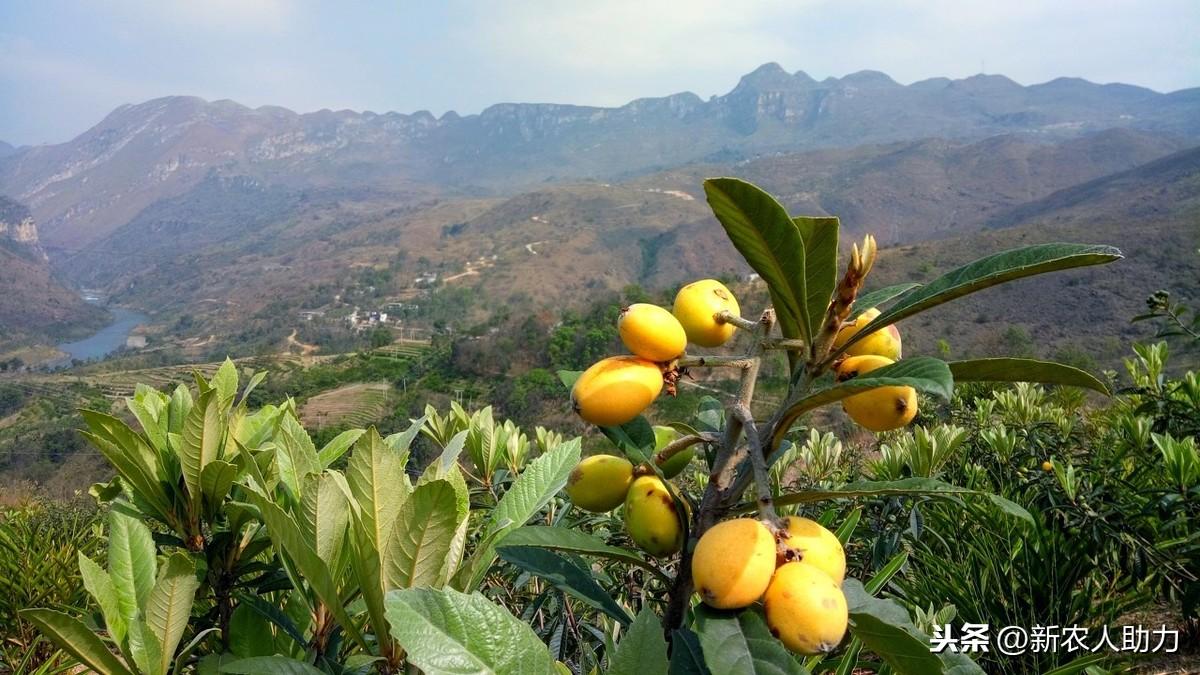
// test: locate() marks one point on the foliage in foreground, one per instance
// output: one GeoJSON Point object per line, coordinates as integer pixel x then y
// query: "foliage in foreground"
{"type": "Point", "coordinates": [282, 556]}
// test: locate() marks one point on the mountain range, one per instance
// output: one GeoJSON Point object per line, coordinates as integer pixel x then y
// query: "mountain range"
{"type": "Point", "coordinates": [220, 211]}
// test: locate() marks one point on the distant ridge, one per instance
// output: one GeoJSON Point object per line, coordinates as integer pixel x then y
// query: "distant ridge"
{"type": "Point", "coordinates": [83, 189]}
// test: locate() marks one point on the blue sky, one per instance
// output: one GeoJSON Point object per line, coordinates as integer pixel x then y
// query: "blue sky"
{"type": "Point", "coordinates": [64, 65]}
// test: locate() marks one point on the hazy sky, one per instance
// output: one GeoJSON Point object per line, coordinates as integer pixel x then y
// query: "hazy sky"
{"type": "Point", "coordinates": [64, 65]}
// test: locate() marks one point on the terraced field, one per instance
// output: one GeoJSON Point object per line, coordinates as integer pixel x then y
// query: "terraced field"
{"type": "Point", "coordinates": [355, 405]}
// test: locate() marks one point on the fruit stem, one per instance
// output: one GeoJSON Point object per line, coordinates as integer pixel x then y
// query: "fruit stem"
{"type": "Point", "coordinates": [680, 444]}
{"type": "Point", "coordinates": [725, 316]}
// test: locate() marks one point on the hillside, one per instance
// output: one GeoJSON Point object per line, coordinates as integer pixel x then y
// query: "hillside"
{"type": "Point", "coordinates": [84, 189]}
{"type": "Point", "coordinates": [1151, 213]}
{"type": "Point", "coordinates": [234, 253]}
{"type": "Point", "coordinates": [34, 305]}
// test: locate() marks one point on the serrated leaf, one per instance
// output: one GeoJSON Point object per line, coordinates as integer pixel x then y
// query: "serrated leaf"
{"type": "Point", "coordinates": [201, 442]}
{"type": "Point", "coordinates": [768, 239]}
{"type": "Point", "coordinates": [296, 457]}
{"type": "Point", "coordinates": [379, 485]}
{"type": "Point", "coordinates": [225, 382]}
{"type": "Point", "coordinates": [99, 585]}
{"type": "Point", "coordinates": [1024, 370]}
{"type": "Point", "coordinates": [566, 576]}
{"type": "Point", "coordinates": [73, 637]}
{"type": "Point", "coordinates": [170, 606]}
{"type": "Point", "coordinates": [739, 643]}
{"type": "Point", "coordinates": [451, 633]}
{"type": "Point", "coordinates": [323, 516]}
{"type": "Point", "coordinates": [820, 237]}
{"type": "Point", "coordinates": [131, 564]}
{"type": "Point", "coordinates": [985, 272]}
{"type": "Point", "coordinates": [642, 650]}
{"type": "Point", "coordinates": [422, 537]}
{"type": "Point", "coordinates": [538, 483]}
{"type": "Point", "coordinates": [287, 537]}
{"type": "Point", "coordinates": [886, 629]}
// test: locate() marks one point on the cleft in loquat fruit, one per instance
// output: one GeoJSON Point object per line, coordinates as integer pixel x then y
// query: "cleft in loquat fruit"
{"type": "Point", "coordinates": [651, 517]}
{"type": "Point", "coordinates": [733, 563]}
{"type": "Point", "coordinates": [883, 342]}
{"type": "Point", "coordinates": [615, 390]}
{"type": "Point", "coordinates": [805, 610]}
{"type": "Point", "coordinates": [881, 408]}
{"type": "Point", "coordinates": [651, 332]}
{"type": "Point", "coordinates": [599, 483]}
{"type": "Point", "coordinates": [696, 307]}
{"type": "Point", "coordinates": [809, 542]}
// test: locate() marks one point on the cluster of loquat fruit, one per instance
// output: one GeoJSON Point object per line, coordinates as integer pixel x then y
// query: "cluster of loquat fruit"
{"type": "Point", "coordinates": [793, 565]}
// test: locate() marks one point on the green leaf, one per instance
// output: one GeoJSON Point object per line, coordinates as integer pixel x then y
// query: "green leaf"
{"type": "Point", "coordinates": [566, 576]}
{"type": "Point", "coordinates": [225, 383]}
{"type": "Point", "coordinates": [296, 457]}
{"type": "Point", "coordinates": [575, 541]}
{"type": "Point", "coordinates": [765, 235]}
{"type": "Point", "coordinates": [170, 605]}
{"type": "Point", "coordinates": [642, 650]}
{"type": "Point", "coordinates": [451, 633]}
{"type": "Point", "coordinates": [886, 629]}
{"type": "Point", "coordinates": [740, 644]}
{"type": "Point", "coordinates": [635, 438]}
{"type": "Point", "coordinates": [270, 665]}
{"type": "Point", "coordinates": [820, 237]}
{"type": "Point", "coordinates": [147, 405]}
{"type": "Point", "coordinates": [131, 564]}
{"type": "Point", "coordinates": [986, 272]}
{"type": "Point", "coordinates": [911, 487]}
{"type": "Point", "coordinates": [338, 446]}
{"type": "Point", "coordinates": [323, 516]}
{"type": "Point", "coordinates": [201, 443]}
{"type": "Point", "coordinates": [132, 457]}
{"type": "Point", "coordinates": [73, 637]}
{"type": "Point", "coordinates": [422, 536]}
{"type": "Point", "coordinates": [379, 485]}
{"type": "Point", "coordinates": [216, 479]}
{"type": "Point", "coordinates": [1024, 370]}
{"type": "Point", "coordinates": [569, 377]}
{"type": "Point", "coordinates": [687, 658]}
{"type": "Point", "coordinates": [287, 537]}
{"type": "Point", "coordinates": [879, 297]}
{"type": "Point", "coordinates": [923, 373]}
{"type": "Point", "coordinates": [538, 483]}
{"type": "Point", "coordinates": [178, 409]}
{"type": "Point", "coordinates": [99, 585]}
{"type": "Point", "coordinates": [145, 648]}
{"type": "Point", "coordinates": [250, 633]}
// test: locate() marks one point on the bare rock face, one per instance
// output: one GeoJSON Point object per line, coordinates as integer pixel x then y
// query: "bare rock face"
{"type": "Point", "coordinates": [18, 230]}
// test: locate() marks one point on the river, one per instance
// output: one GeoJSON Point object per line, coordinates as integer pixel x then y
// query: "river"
{"type": "Point", "coordinates": [105, 341]}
